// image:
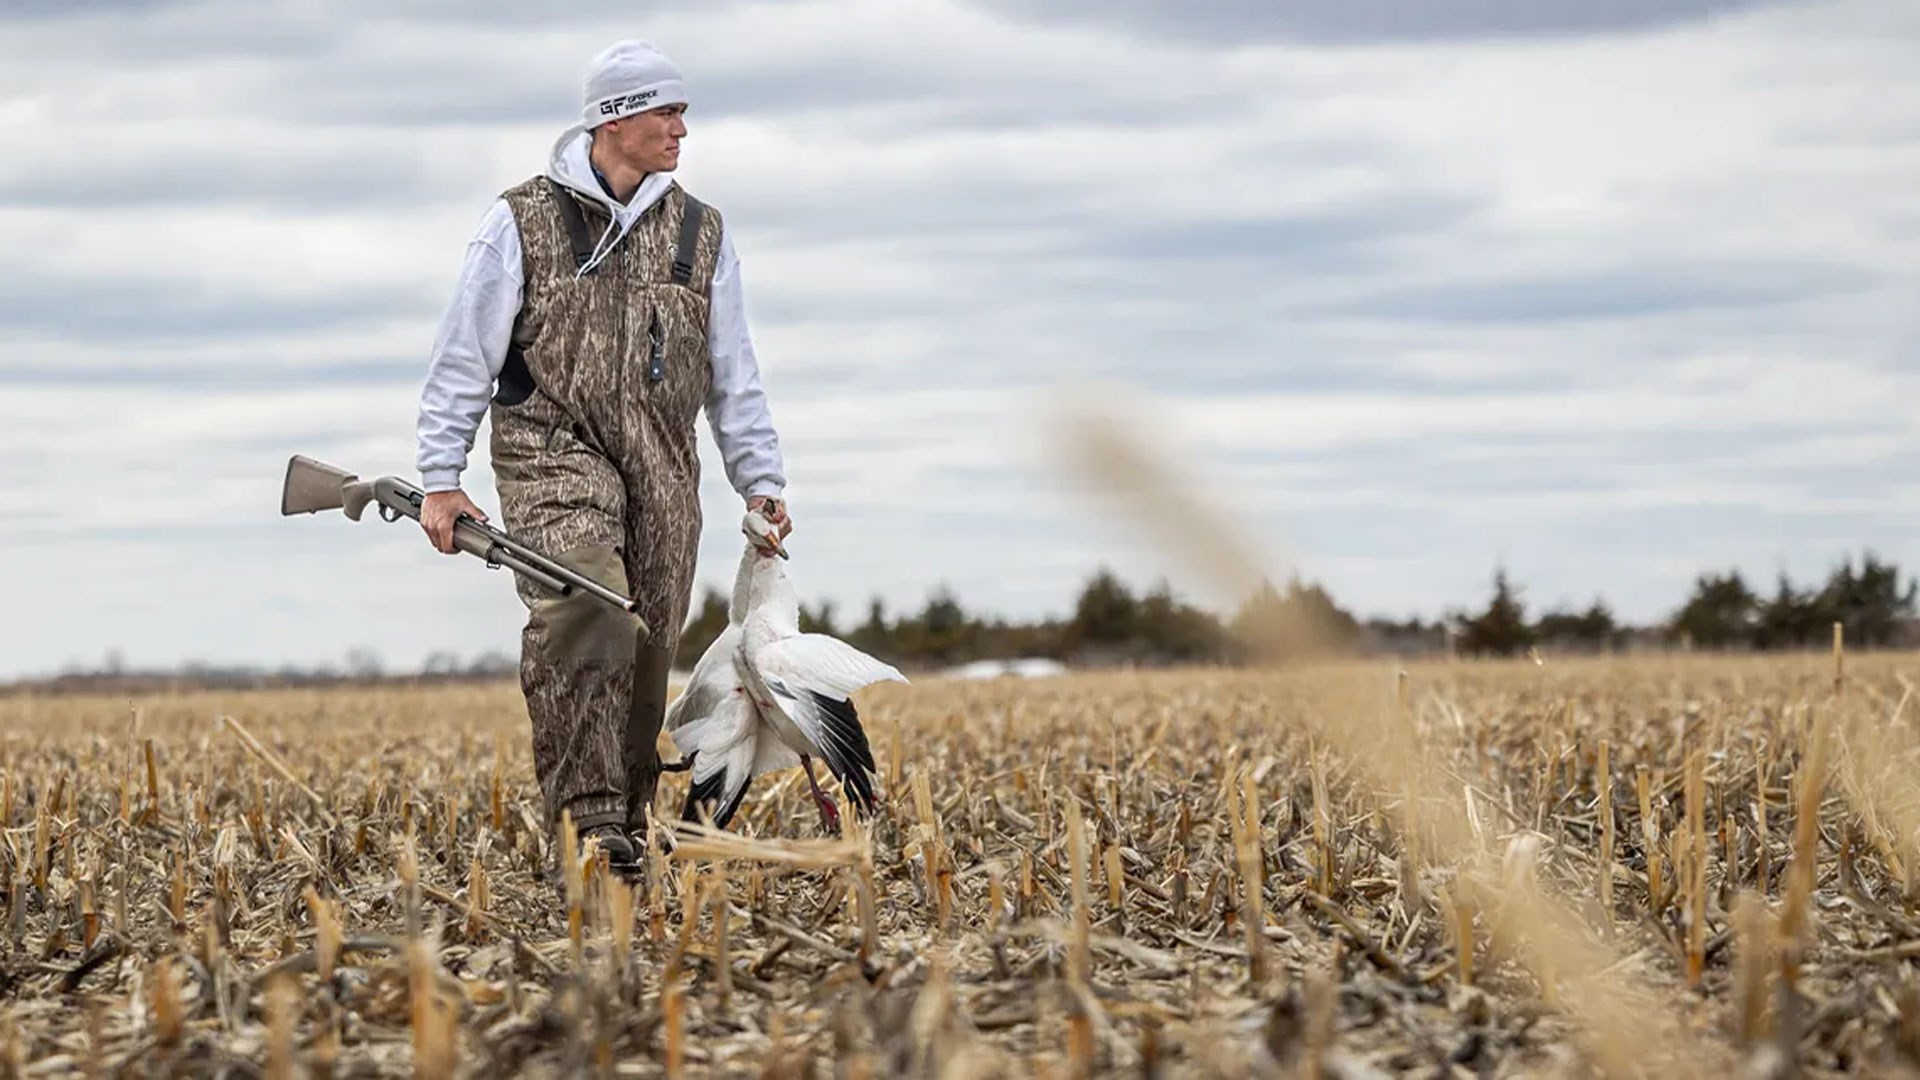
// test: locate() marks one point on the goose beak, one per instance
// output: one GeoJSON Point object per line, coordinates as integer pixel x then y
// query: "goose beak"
{"type": "Point", "coordinates": [763, 534]}
{"type": "Point", "coordinates": [768, 543]}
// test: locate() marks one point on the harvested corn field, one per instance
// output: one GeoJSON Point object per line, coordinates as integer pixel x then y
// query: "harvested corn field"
{"type": "Point", "coordinates": [1636, 867]}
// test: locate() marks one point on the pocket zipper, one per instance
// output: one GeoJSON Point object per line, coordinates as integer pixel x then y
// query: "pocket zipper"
{"type": "Point", "coordinates": [656, 350]}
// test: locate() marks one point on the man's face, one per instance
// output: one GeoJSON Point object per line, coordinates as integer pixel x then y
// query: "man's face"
{"type": "Point", "coordinates": [650, 141]}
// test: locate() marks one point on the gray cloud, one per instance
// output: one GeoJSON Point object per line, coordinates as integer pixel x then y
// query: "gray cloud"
{"type": "Point", "coordinates": [1344, 233]}
{"type": "Point", "coordinates": [855, 84]}
{"type": "Point", "coordinates": [1430, 333]}
{"type": "Point", "coordinates": [260, 374]}
{"type": "Point", "coordinates": [109, 307]}
{"type": "Point", "coordinates": [857, 91]}
{"type": "Point", "coordinates": [1609, 293]}
{"type": "Point", "coordinates": [281, 27]}
{"type": "Point", "coordinates": [26, 10]}
{"type": "Point", "coordinates": [164, 33]}
{"type": "Point", "coordinates": [618, 16]}
{"type": "Point", "coordinates": [1239, 21]}
{"type": "Point", "coordinates": [333, 174]}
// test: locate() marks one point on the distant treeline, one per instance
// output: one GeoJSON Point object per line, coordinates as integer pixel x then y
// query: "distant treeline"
{"type": "Point", "coordinates": [1113, 624]}
{"type": "Point", "coordinates": [361, 667]}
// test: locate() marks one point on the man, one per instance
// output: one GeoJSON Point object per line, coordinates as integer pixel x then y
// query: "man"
{"type": "Point", "coordinates": [606, 304]}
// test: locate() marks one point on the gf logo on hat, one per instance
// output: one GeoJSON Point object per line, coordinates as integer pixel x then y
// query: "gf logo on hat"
{"type": "Point", "coordinates": [629, 103]}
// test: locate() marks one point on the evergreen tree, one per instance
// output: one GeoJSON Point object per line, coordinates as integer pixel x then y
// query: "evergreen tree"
{"type": "Point", "coordinates": [1870, 604]}
{"type": "Point", "coordinates": [1501, 629]}
{"type": "Point", "coordinates": [1156, 617]}
{"type": "Point", "coordinates": [1721, 613]}
{"type": "Point", "coordinates": [1331, 626]}
{"type": "Point", "coordinates": [1594, 628]}
{"type": "Point", "coordinates": [1106, 613]}
{"type": "Point", "coordinates": [818, 620]}
{"type": "Point", "coordinates": [944, 631]}
{"type": "Point", "coordinates": [1172, 631]}
{"type": "Point", "coordinates": [1792, 619]}
{"type": "Point", "coordinates": [874, 637]}
{"type": "Point", "coordinates": [1303, 621]}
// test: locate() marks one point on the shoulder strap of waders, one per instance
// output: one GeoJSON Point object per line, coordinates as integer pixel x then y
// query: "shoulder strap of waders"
{"type": "Point", "coordinates": [576, 224]}
{"type": "Point", "coordinates": [687, 247]}
{"type": "Point", "coordinates": [516, 378]}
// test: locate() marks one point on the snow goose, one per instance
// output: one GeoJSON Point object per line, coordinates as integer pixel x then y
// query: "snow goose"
{"type": "Point", "coordinates": [765, 697]}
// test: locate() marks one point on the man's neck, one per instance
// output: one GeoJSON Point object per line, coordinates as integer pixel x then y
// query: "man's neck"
{"type": "Point", "coordinates": [619, 179]}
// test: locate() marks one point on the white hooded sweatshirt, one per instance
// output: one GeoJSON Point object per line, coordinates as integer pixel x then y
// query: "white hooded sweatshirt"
{"type": "Point", "coordinates": [471, 346]}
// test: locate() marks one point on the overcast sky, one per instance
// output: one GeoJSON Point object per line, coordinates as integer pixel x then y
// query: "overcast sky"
{"type": "Point", "coordinates": [1609, 292]}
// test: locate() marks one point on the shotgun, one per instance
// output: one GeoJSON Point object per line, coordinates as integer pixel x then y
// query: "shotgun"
{"type": "Point", "coordinates": [312, 486]}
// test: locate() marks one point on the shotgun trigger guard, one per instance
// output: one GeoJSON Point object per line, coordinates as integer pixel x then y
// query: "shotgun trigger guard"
{"type": "Point", "coordinates": [388, 513]}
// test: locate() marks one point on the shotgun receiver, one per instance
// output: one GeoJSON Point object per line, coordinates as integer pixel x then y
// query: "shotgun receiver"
{"type": "Point", "coordinates": [312, 486]}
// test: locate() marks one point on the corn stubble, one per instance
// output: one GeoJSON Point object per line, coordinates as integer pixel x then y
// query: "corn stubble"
{"type": "Point", "coordinates": [1656, 867]}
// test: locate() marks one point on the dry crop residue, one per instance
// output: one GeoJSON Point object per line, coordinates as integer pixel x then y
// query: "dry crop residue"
{"type": "Point", "coordinates": [353, 881]}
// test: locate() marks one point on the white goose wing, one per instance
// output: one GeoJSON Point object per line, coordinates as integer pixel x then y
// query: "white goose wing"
{"type": "Point", "coordinates": [812, 678]}
{"type": "Point", "coordinates": [714, 677]}
{"type": "Point", "coordinates": [822, 664]}
{"type": "Point", "coordinates": [728, 740]}
{"type": "Point", "coordinates": [723, 745]}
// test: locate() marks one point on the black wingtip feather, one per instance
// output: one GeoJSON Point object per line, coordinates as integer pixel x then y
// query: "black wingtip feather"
{"type": "Point", "coordinates": [847, 751]}
{"type": "Point", "coordinates": [709, 791]}
{"type": "Point", "coordinates": [844, 720]}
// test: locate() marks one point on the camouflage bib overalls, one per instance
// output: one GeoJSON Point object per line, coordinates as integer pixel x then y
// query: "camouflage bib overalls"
{"type": "Point", "coordinates": [594, 450]}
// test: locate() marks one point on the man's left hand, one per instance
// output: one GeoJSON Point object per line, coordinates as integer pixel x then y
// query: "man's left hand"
{"type": "Point", "coordinates": [775, 511]}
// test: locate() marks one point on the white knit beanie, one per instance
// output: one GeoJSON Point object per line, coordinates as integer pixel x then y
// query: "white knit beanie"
{"type": "Point", "coordinates": [630, 77]}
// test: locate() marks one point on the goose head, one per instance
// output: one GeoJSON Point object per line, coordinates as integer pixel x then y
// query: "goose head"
{"type": "Point", "coordinates": [761, 534]}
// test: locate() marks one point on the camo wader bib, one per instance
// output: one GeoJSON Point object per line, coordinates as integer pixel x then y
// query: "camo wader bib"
{"type": "Point", "coordinates": [594, 450]}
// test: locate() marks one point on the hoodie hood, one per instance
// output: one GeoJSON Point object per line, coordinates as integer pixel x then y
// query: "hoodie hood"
{"type": "Point", "coordinates": [569, 166]}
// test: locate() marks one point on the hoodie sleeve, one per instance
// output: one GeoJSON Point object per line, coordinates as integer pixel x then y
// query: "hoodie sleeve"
{"type": "Point", "coordinates": [737, 406]}
{"type": "Point", "coordinates": [469, 350]}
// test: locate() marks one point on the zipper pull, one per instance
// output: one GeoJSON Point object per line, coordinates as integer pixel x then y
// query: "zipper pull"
{"type": "Point", "coordinates": [656, 351]}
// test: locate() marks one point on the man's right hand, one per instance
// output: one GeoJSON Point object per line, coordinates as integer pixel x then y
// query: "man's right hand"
{"type": "Point", "coordinates": [439, 510]}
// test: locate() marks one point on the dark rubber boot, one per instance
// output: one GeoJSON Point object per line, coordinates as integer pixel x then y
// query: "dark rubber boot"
{"type": "Point", "coordinates": [649, 708]}
{"type": "Point", "coordinates": [625, 859]}
{"type": "Point", "coordinates": [622, 857]}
